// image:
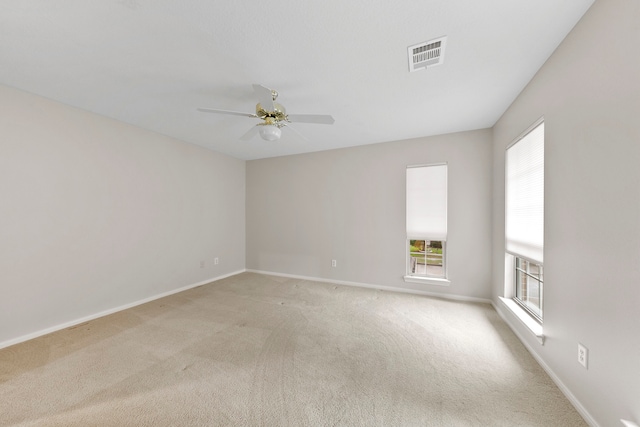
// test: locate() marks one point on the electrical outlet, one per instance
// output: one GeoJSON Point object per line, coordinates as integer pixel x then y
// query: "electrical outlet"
{"type": "Point", "coordinates": [201, 264]}
{"type": "Point", "coordinates": [216, 261]}
{"type": "Point", "coordinates": [334, 263]}
{"type": "Point", "coordinates": [583, 355]}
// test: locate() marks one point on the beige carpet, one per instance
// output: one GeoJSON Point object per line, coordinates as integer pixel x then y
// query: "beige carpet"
{"type": "Point", "coordinates": [265, 351]}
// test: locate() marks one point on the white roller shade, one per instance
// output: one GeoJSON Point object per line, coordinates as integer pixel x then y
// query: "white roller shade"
{"type": "Point", "coordinates": [525, 196]}
{"type": "Point", "coordinates": [427, 202]}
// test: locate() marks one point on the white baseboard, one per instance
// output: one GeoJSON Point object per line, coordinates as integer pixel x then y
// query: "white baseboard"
{"type": "Point", "coordinates": [379, 287]}
{"type": "Point", "coordinates": [563, 388]}
{"type": "Point", "coordinates": [75, 322]}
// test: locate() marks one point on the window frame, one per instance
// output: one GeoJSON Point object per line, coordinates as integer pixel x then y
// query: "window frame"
{"type": "Point", "coordinates": [517, 286]}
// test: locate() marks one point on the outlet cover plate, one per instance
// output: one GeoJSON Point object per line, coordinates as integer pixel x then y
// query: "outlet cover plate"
{"type": "Point", "coordinates": [583, 355]}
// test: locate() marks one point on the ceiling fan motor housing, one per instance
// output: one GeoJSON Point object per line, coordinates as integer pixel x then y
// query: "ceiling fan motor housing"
{"type": "Point", "coordinates": [279, 114]}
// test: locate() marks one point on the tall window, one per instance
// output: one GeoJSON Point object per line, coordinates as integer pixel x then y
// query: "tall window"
{"type": "Point", "coordinates": [525, 217]}
{"type": "Point", "coordinates": [427, 221]}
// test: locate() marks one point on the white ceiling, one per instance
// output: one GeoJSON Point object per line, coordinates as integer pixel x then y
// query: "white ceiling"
{"type": "Point", "coordinates": [151, 63]}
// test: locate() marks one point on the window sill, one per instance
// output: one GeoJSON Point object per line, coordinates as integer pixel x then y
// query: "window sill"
{"type": "Point", "coordinates": [528, 321]}
{"type": "Point", "coordinates": [427, 280]}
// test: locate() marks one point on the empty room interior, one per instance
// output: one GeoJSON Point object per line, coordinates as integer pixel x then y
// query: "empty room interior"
{"type": "Point", "coordinates": [327, 213]}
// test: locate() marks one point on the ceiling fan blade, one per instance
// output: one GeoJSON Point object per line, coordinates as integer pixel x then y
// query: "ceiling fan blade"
{"type": "Point", "coordinates": [322, 119]}
{"type": "Point", "coordinates": [264, 97]}
{"type": "Point", "coordinates": [304, 138]}
{"type": "Point", "coordinates": [250, 133]}
{"type": "Point", "coordinates": [232, 113]}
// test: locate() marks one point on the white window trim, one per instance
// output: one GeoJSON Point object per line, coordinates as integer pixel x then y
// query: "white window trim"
{"type": "Point", "coordinates": [537, 317]}
{"type": "Point", "coordinates": [525, 318]}
{"type": "Point", "coordinates": [423, 280]}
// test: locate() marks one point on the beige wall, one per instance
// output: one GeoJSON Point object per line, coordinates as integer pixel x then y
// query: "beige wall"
{"type": "Point", "coordinates": [96, 214]}
{"type": "Point", "coordinates": [589, 94]}
{"type": "Point", "coordinates": [349, 205]}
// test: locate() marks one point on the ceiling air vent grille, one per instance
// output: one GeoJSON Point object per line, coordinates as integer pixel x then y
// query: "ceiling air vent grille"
{"type": "Point", "coordinates": [427, 54]}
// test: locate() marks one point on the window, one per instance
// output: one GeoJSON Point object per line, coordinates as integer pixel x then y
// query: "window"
{"type": "Point", "coordinates": [427, 221]}
{"type": "Point", "coordinates": [426, 258]}
{"type": "Point", "coordinates": [524, 217]}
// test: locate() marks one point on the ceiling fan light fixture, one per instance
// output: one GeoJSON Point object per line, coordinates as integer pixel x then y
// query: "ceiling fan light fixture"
{"type": "Point", "coordinates": [270, 132]}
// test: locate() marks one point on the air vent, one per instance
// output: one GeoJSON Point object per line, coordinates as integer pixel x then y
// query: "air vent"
{"type": "Point", "coordinates": [427, 54]}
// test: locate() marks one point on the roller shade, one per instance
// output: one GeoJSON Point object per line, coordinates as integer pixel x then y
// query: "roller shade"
{"type": "Point", "coordinates": [427, 202]}
{"type": "Point", "coordinates": [525, 196]}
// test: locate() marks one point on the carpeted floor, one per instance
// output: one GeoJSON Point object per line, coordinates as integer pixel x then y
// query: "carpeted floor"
{"type": "Point", "coordinates": [254, 350]}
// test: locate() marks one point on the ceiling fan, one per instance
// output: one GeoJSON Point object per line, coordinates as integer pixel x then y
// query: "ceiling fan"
{"type": "Point", "coordinates": [273, 115]}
